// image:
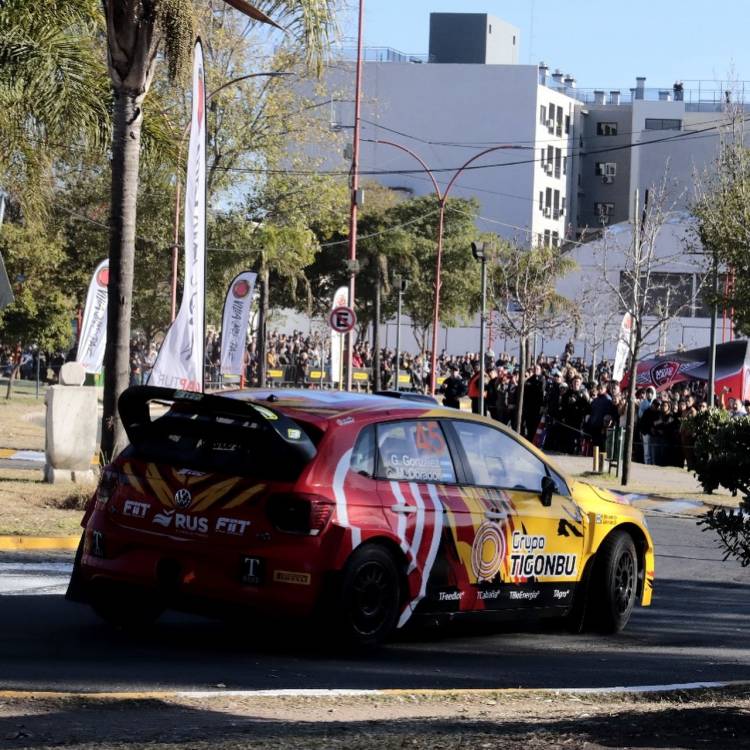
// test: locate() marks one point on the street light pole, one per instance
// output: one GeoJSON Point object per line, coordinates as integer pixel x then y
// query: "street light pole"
{"type": "Point", "coordinates": [442, 197]}
{"type": "Point", "coordinates": [477, 250]}
{"type": "Point", "coordinates": [401, 289]}
{"type": "Point", "coordinates": [354, 198]}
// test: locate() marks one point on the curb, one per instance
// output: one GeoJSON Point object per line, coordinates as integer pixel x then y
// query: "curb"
{"type": "Point", "coordinates": [15, 543]}
{"type": "Point", "coordinates": [354, 693]}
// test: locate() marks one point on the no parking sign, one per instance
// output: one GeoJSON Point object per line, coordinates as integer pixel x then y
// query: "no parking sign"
{"type": "Point", "coordinates": [342, 319]}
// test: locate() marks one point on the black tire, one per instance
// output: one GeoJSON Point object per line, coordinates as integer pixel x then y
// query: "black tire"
{"type": "Point", "coordinates": [127, 607]}
{"type": "Point", "coordinates": [369, 597]}
{"type": "Point", "coordinates": [614, 585]}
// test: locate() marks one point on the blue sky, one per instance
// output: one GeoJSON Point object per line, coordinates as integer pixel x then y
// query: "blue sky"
{"type": "Point", "coordinates": [603, 44]}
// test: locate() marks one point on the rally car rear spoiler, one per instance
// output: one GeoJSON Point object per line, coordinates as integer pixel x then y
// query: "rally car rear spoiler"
{"type": "Point", "coordinates": [225, 420]}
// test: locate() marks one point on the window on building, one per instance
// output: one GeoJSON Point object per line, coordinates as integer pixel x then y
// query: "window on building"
{"type": "Point", "coordinates": [559, 129]}
{"type": "Point", "coordinates": [555, 239]}
{"type": "Point", "coordinates": [558, 162]}
{"type": "Point", "coordinates": [551, 117]}
{"type": "Point", "coordinates": [605, 169]}
{"type": "Point", "coordinates": [556, 201]}
{"type": "Point", "coordinates": [542, 114]}
{"type": "Point", "coordinates": [604, 211]}
{"type": "Point", "coordinates": [543, 157]}
{"type": "Point", "coordinates": [606, 128]}
{"type": "Point", "coordinates": [562, 205]}
{"type": "Point", "coordinates": [667, 293]}
{"type": "Point", "coordinates": [547, 237]}
{"type": "Point", "coordinates": [565, 165]}
{"type": "Point", "coordinates": [550, 157]}
{"type": "Point", "coordinates": [541, 200]}
{"type": "Point", "coordinates": [660, 123]}
{"type": "Point", "coordinates": [567, 124]}
{"type": "Point", "coordinates": [548, 199]}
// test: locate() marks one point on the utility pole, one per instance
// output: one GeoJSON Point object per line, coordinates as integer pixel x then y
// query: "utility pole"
{"type": "Point", "coordinates": [712, 345]}
{"type": "Point", "coordinates": [401, 281]}
{"type": "Point", "coordinates": [355, 195]}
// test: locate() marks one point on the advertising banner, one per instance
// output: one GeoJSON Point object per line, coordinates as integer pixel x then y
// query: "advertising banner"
{"type": "Point", "coordinates": [340, 299]}
{"type": "Point", "coordinates": [623, 347]}
{"type": "Point", "coordinates": [732, 369]}
{"type": "Point", "coordinates": [234, 322]}
{"type": "Point", "coordinates": [93, 336]}
{"type": "Point", "coordinates": [180, 360]}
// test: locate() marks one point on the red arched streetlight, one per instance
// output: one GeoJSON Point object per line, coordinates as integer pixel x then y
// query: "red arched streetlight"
{"type": "Point", "coordinates": [442, 197]}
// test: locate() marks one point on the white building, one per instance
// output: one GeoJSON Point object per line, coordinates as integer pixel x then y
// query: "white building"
{"type": "Point", "coordinates": [567, 161]}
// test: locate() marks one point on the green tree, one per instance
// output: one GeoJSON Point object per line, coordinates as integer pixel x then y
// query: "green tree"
{"type": "Point", "coordinates": [41, 312]}
{"type": "Point", "coordinates": [522, 287]}
{"type": "Point", "coordinates": [136, 31]}
{"type": "Point", "coordinates": [722, 210]}
{"type": "Point", "coordinates": [53, 92]}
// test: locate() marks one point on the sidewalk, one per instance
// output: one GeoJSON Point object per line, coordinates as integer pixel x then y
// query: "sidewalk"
{"type": "Point", "coordinates": [668, 482]}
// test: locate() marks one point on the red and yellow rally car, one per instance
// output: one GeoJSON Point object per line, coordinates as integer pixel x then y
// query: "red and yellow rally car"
{"type": "Point", "coordinates": [367, 510]}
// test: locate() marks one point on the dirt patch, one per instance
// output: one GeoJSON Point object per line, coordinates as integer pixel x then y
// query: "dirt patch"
{"type": "Point", "coordinates": [31, 507]}
{"type": "Point", "coordinates": [450, 721]}
{"type": "Point", "coordinates": [22, 418]}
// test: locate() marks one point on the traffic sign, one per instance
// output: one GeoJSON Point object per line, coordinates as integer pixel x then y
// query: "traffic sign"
{"type": "Point", "coordinates": [342, 319]}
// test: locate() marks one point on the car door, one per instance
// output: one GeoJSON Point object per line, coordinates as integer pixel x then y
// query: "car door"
{"type": "Point", "coordinates": [528, 544]}
{"type": "Point", "coordinates": [418, 485]}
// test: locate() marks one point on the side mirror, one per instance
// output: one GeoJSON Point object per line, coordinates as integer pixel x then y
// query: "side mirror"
{"type": "Point", "coordinates": [549, 488]}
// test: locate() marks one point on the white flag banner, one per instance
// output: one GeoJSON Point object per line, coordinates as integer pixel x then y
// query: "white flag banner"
{"type": "Point", "coordinates": [180, 360]}
{"type": "Point", "coordinates": [234, 322]}
{"type": "Point", "coordinates": [340, 299]}
{"type": "Point", "coordinates": [623, 347]}
{"type": "Point", "coordinates": [93, 336]}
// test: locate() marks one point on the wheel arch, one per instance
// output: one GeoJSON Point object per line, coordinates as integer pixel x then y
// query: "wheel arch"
{"type": "Point", "coordinates": [393, 548]}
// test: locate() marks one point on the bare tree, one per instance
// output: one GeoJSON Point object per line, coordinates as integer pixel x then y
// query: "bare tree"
{"type": "Point", "coordinates": [649, 279]}
{"type": "Point", "coordinates": [522, 290]}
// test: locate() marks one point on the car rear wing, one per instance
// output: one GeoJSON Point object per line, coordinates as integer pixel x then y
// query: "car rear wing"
{"type": "Point", "coordinates": [209, 422]}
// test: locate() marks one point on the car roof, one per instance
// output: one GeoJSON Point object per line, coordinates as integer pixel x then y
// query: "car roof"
{"type": "Point", "coordinates": [323, 406]}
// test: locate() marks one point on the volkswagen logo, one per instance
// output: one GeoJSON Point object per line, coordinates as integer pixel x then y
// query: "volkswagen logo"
{"type": "Point", "coordinates": [183, 498]}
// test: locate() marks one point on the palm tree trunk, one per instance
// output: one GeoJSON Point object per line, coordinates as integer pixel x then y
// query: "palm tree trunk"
{"type": "Point", "coordinates": [126, 143]}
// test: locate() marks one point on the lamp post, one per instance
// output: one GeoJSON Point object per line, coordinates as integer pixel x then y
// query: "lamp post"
{"type": "Point", "coordinates": [402, 284]}
{"type": "Point", "coordinates": [176, 237]}
{"type": "Point", "coordinates": [442, 197]}
{"type": "Point", "coordinates": [355, 196]}
{"type": "Point", "coordinates": [477, 250]}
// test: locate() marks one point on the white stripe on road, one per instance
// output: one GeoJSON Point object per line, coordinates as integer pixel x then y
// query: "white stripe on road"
{"type": "Point", "coordinates": [34, 579]}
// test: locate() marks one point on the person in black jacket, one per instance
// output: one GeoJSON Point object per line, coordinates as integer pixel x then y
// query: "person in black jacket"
{"type": "Point", "coordinates": [533, 402]}
{"type": "Point", "coordinates": [453, 388]}
{"type": "Point", "coordinates": [574, 406]}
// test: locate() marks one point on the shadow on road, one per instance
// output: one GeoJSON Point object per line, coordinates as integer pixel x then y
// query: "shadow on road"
{"type": "Point", "coordinates": [695, 632]}
{"type": "Point", "coordinates": [133, 723]}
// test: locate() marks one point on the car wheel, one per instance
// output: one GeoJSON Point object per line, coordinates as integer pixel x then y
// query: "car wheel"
{"type": "Point", "coordinates": [369, 599]}
{"type": "Point", "coordinates": [128, 607]}
{"type": "Point", "coordinates": [613, 590]}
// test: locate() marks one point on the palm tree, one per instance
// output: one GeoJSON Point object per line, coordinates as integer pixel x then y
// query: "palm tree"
{"type": "Point", "coordinates": [136, 31]}
{"type": "Point", "coordinates": [53, 91]}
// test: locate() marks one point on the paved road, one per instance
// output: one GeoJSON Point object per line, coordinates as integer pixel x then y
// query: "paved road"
{"type": "Point", "coordinates": [697, 630]}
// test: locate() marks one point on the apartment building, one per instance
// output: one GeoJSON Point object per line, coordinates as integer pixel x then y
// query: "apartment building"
{"type": "Point", "coordinates": [562, 160]}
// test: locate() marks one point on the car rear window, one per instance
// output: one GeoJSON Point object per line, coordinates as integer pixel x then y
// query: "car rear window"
{"type": "Point", "coordinates": [259, 444]}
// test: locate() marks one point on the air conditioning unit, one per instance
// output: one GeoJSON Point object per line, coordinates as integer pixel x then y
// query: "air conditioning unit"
{"type": "Point", "coordinates": [608, 179]}
{"type": "Point", "coordinates": [548, 168]}
{"type": "Point", "coordinates": [610, 169]}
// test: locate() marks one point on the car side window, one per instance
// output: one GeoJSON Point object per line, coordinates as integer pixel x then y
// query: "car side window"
{"type": "Point", "coordinates": [497, 460]}
{"type": "Point", "coordinates": [414, 451]}
{"type": "Point", "coordinates": [363, 453]}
